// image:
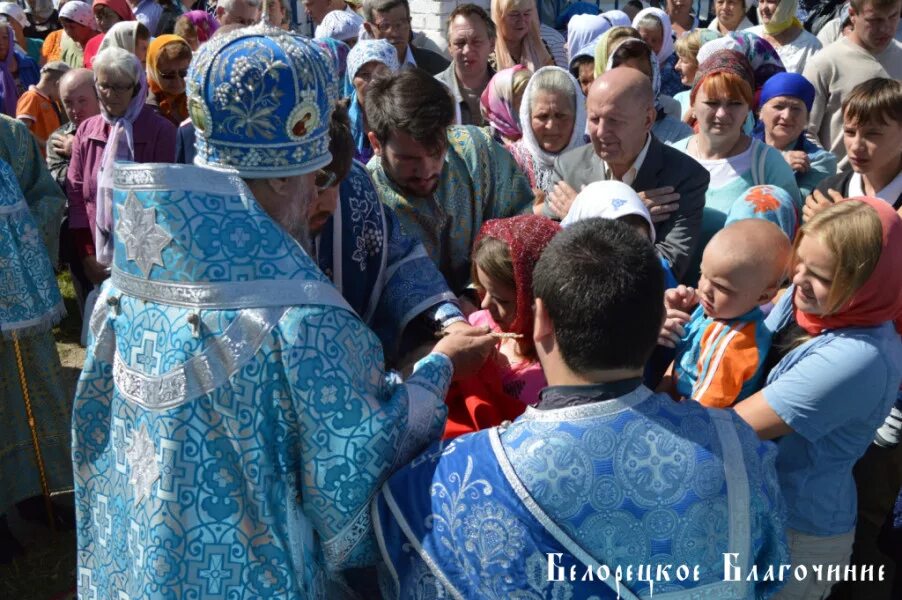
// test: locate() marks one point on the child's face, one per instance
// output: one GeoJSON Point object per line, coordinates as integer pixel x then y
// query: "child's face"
{"type": "Point", "coordinates": [871, 146]}
{"type": "Point", "coordinates": [728, 289]}
{"type": "Point", "coordinates": [497, 298]}
{"type": "Point", "coordinates": [813, 276]}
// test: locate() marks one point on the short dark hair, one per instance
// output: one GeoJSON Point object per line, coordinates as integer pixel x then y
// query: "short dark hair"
{"type": "Point", "coordinates": [409, 100]}
{"type": "Point", "coordinates": [473, 10]}
{"type": "Point", "coordinates": [603, 288]}
{"type": "Point", "coordinates": [877, 101]}
{"type": "Point", "coordinates": [371, 7]}
{"type": "Point", "coordinates": [858, 5]}
{"type": "Point", "coordinates": [341, 140]}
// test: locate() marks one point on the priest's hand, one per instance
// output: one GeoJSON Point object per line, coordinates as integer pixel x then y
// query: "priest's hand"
{"type": "Point", "coordinates": [468, 349]}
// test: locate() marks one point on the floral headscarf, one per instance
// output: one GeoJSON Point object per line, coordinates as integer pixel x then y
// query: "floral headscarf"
{"type": "Point", "coordinates": [723, 61]}
{"type": "Point", "coordinates": [497, 103]}
{"type": "Point", "coordinates": [542, 161]}
{"type": "Point", "coordinates": [761, 55]}
{"type": "Point", "coordinates": [666, 30]}
{"type": "Point", "coordinates": [526, 237]}
{"type": "Point", "coordinates": [767, 202]}
{"type": "Point", "coordinates": [878, 300]}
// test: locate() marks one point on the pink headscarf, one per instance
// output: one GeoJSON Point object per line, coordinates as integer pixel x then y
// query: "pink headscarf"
{"type": "Point", "coordinates": [497, 102]}
{"type": "Point", "coordinates": [878, 300]}
{"type": "Point", "coordinates": [203, 22]}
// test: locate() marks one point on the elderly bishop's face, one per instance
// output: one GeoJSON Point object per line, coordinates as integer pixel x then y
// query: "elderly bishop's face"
{"type": "Point", "coordinates": [286, 200]}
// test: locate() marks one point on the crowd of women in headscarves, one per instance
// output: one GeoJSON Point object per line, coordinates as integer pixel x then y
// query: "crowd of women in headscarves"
{"type": "Point", "coordinates": [730, 95]}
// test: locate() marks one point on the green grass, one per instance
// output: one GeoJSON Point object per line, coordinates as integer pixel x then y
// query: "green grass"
{"type": "Point", "coordinates": [69, 330]}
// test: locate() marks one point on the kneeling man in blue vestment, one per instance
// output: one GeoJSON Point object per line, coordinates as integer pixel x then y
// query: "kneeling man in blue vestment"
{"type": "Point", "coordinates": [604, 489]}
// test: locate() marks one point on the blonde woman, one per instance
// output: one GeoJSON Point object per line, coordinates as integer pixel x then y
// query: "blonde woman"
{"type": "Point", "coordinates": [686, 49]}
{"type": "Point", "coordinates": [519, 41]}
{"type": "Point", "coordinates": [837, 375]}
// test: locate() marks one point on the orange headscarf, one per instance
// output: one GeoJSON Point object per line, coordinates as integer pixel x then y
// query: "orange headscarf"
{"type": "Point", "coordinates": [173, 107]}
{"type": "Point", "coordinates": [879, 299]}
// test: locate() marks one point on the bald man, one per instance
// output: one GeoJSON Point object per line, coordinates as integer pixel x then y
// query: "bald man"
{"type": "Point", "coordinates": [621, 111]}
{"type": "Point", "coordinates": [80, 102]}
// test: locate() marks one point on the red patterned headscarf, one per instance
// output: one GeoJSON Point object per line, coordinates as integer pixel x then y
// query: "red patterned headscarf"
{"type": "Point", "coordinates": [526, 237]}
{"type": "Point", "coordinates": [723, 61]}
{"type": "Point", "coordinates": [878, 300]}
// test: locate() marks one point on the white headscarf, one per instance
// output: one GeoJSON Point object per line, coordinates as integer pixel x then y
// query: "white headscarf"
{"type": "Point", "coordinates": [121, 35]}
{"type": "Point", "coordinates": [583, 30]}
{"type": "Point", "coordinates": [666, 29]}
{"type": "Point", "coordinates": [80, 12]}
{"type": "Point", "coordinates": [618, 18]}
{"type": "Point", "coordinates": [544, 161]}
{"type": "Point", "coordinates": [608, 200]}
{"type": "Point", "coordinates": [340, 25]}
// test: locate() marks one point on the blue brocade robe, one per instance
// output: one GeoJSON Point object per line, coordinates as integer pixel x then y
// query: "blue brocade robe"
{"type": "Point", "coordinates": [383, 273]}
{"type": "Point", "coordinates": [233, 419]}
{"type": "Point", "coordinates": [634, 480]}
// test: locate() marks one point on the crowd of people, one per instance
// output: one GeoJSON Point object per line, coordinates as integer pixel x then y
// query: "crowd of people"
{"type": "Point", "coordinates": [552, 307]}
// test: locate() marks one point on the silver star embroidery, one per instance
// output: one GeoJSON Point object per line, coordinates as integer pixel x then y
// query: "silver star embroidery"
{"type": "Point", "coordinates": [144, 240]}
{"type": "Point", "coordinates": [142, 459]}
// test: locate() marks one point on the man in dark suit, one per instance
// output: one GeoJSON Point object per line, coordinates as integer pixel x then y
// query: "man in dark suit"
{"type": "Point", "coordinates": [620, 111]}
{"type": "Point", "coordinates": [390, 20]}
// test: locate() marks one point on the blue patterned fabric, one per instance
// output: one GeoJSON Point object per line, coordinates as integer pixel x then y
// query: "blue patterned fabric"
{"type": "Point", "coordinates": [30, 304]}
{"type": "Point", "coordinates": [30, 300]}
{"type": "Point", "coordinates": [385, 275]}
{"type": "Point", "coordinates": [260, 100]}
{"type": "Point", "coordinates": [233, 417]}
{"type": "Point", "coordinates": [637, 480]}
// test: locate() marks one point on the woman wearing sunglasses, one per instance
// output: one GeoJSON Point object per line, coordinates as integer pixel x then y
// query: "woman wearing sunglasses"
{"type": "Point", "coordinates": [168, 58]}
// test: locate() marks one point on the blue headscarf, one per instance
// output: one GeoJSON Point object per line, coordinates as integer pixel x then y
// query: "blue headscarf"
{"type": "Point", "coordinates": [364, 52]}
{"type": "Point", "coordinates": [767, 202]}
{"type": "Point", "coordinates": [794, 86]}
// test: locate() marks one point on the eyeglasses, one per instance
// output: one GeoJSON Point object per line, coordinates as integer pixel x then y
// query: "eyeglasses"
{"type": "Point", "coordinates": [324, 180]}
{"type": "Point", "coordinates": [117, 89]}
{"type": "Point", "coordinates": [180, 74]}
{"type": "Point", "coordinates": [386, 26]}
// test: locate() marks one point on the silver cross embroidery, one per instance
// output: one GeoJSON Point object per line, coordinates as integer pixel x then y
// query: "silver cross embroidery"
{"type": "Point", "coordinates": [144, 240]}
{"type": "Point", "coordinates": [142, 458]}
